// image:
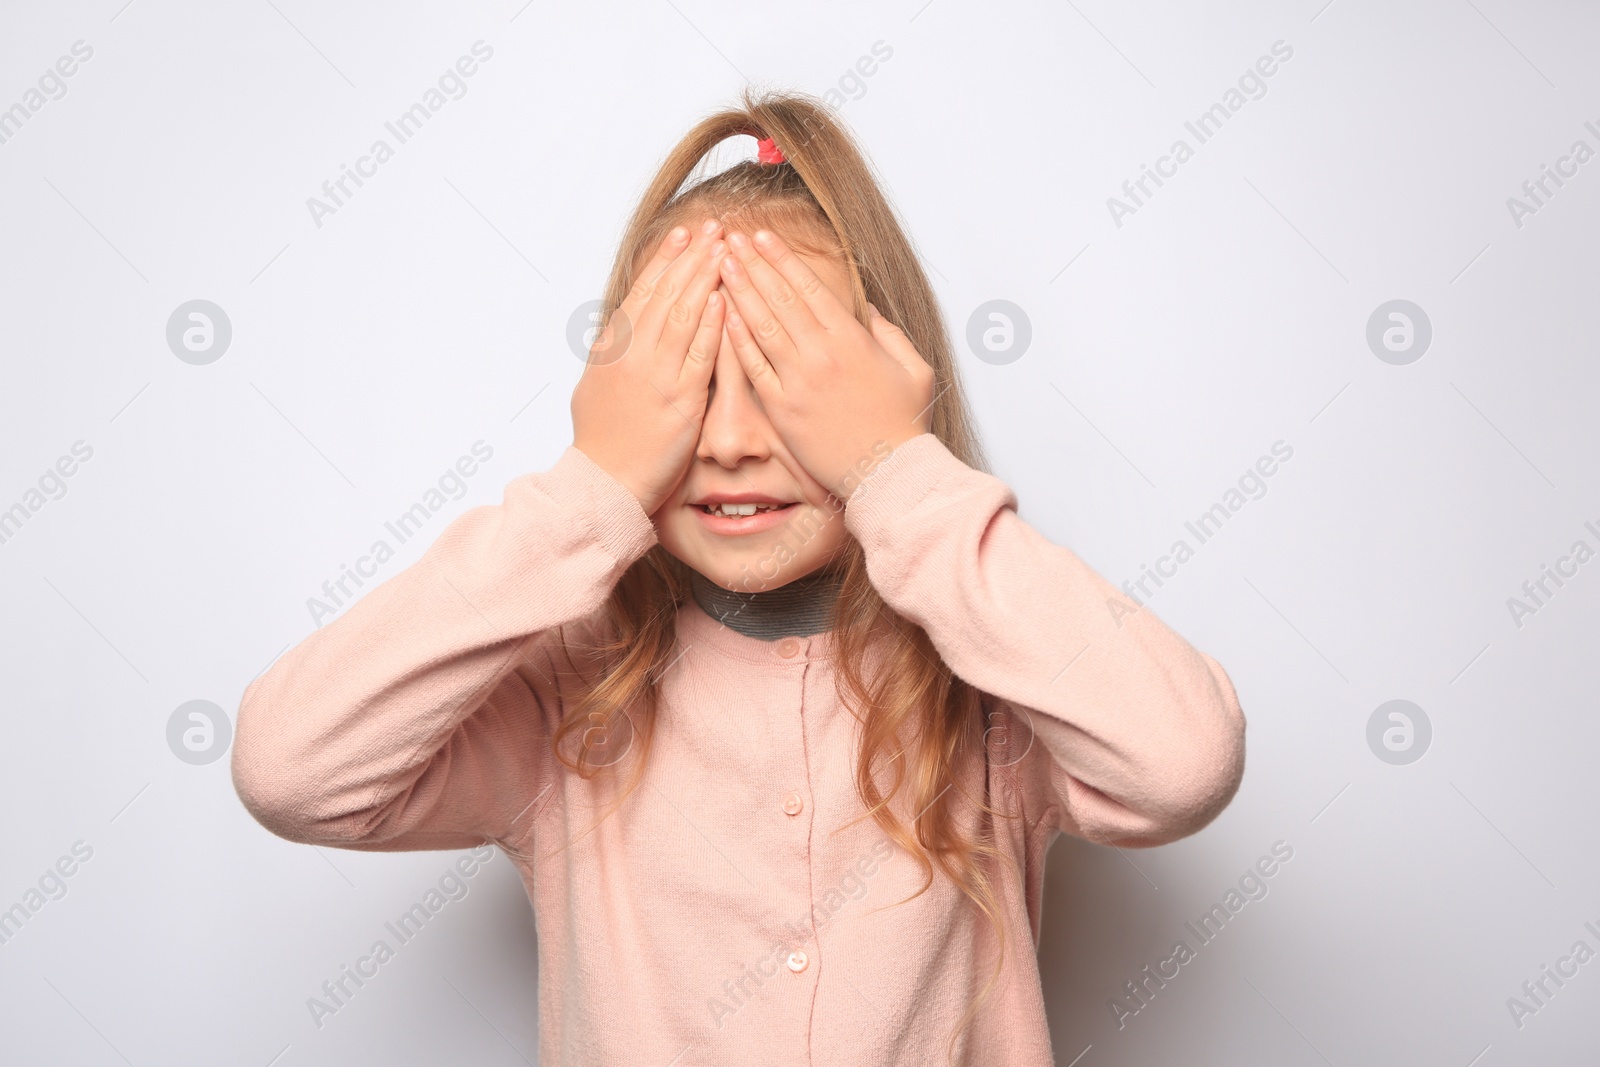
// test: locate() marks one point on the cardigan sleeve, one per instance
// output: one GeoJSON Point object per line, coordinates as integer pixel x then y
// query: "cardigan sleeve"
{"type": "Point", "coordinates": [1126, 734]}
{"type": "Point", "coordinates": [421, 718]}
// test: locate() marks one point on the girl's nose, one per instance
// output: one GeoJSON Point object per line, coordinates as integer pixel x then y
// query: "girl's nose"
{"type": "Point", "coordinates": [735, 428]}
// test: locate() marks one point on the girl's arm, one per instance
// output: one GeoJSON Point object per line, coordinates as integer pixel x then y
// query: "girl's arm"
{"type": "Point", "coordinates": [421, 718]}
{"type": "Point", "coordinates": [1142, 735]}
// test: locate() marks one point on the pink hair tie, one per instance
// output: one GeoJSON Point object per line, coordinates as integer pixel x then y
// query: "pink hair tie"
{"type": "Point", "coordinates": [767, 151]}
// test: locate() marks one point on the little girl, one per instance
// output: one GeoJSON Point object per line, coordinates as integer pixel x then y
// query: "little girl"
{"type": "Point", "coordinates": [766, 689]}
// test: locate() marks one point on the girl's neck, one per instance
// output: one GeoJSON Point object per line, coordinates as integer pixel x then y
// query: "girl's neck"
{"type": "Point", "coordinates": [801, 608]}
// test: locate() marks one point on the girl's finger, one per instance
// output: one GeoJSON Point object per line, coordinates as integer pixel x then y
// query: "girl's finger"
{"type": "Point", "coordinates": [894, 341]}
{"type": "Point", "coordinates": [683, 316]}
{"type": "Point", "coordinates": [616, 337]}
{"type": "Point", "coordinates": [819, 302]}
{"type": "Point", "coordinates": [786, 302]}
{"type": "Point", "coordinates": [671, 247]}
{"type": "Point", "coordinates": [757, 368]}
{"type": "Point", "coordinates": [701, 359]}
{"type": "Point", "coordinates": [668, 300]}
{"type": "Point", "coordinates": [760, 325]}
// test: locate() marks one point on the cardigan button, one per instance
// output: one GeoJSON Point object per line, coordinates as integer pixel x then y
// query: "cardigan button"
{"type": "Point", "coordinates": [798, 961]}
{"type": "Point", "coordinates": [792, 804]}
{"type": "Point", "coordinates": [789, 647]}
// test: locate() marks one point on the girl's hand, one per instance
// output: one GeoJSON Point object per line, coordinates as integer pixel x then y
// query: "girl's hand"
{"type": "Point", "coordinates": [835, 392]}
{"type": "Point", "coordinates": [636, 411]}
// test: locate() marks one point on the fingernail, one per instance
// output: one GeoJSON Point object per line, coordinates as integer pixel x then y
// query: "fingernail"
{"type": "Point", "coordinates": [738, 240]}
{"type": "Point", "coordinates": [709, 227]}
{"type": "Point", "coordinates": [763, 237]}
{"type": "Point", "coordinates": [875, 312]}
{"type": "Point", "coordinates": [730, 264]}
{"type": "Point", "coordinates": [678, 233]}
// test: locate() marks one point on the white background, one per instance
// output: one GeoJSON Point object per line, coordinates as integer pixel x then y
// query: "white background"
{"type": "Point", "coordinates": [1229, 312]}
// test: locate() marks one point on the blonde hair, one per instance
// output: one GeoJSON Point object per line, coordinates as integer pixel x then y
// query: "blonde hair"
{"type": "Point", "coordinates": [825, 200]}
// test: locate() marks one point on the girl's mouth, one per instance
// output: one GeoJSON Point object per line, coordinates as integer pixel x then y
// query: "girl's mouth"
{"type": "Point", "coordinates": [735, 519]}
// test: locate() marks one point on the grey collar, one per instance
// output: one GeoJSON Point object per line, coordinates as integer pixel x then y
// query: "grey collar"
{"type": "Point", "coordinates": [799, 608]}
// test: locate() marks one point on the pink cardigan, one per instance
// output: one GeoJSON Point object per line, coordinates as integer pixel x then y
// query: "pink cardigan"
{"type": "Point", "coordinates": [730, 911]}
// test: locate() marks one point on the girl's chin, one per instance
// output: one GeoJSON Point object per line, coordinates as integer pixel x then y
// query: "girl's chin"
{"type": "Point", "coordinates": [757, 569]}
{"type": "Point", "coordinates": [757, 560]}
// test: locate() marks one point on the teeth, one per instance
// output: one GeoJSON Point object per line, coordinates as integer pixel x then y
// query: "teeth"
{"type": "Point", "coordinates": [738, 509]}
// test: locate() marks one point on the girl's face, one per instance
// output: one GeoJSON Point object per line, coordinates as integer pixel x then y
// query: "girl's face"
{"type": "Point", "coordinates": [741, 460]}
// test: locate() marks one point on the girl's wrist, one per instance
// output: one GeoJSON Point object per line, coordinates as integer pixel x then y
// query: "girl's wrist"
{"type": "Point", "coordinates": [855, 473]}
{"type": "Point", "coordinates": [647, 500]}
